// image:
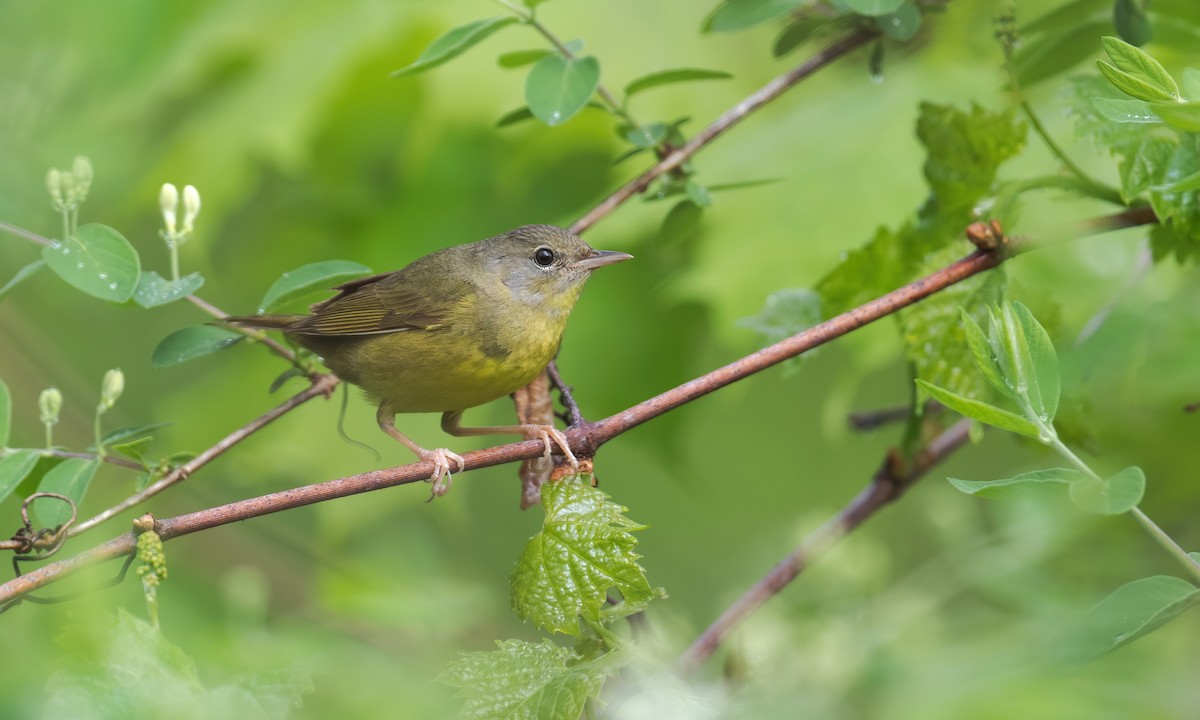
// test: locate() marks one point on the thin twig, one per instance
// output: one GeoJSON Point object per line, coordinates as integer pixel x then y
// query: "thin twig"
{"type": "Point", "coordinates": [111, 459]}
{"type": "Point", "coordinates": [888, 484]}
{"type": "Point", "coordinates": [27, 234]}
{"type": "Point", "coordinates": [733, 116]}
{"type": "Point", "coordinates": [323, 386]}
{"type": "Point", "coordinates": [584, 440]}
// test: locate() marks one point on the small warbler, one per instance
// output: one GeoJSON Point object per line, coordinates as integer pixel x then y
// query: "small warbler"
{"type": "Point", "coordinates": [455, 329]}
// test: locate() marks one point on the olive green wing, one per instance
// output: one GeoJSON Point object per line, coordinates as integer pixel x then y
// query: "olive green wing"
{"type": "Point", "coordinates": [385, 304]}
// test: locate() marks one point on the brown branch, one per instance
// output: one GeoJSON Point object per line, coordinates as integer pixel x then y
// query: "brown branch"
{"type": "Point", "coordinates": [256, 335]}
{"type": "Point", "coordinates": [733, 116]}
{"type": "Point", "coordinates": [888, 484]}
{"type": "Point", "coordinates": [584, 440]}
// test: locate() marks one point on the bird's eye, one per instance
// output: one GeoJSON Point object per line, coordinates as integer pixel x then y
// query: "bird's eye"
{"type": "Point", "coordinates": [543, 256]}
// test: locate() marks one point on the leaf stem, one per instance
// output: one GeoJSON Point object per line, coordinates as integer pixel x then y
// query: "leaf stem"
{"type": "Point", "coordinates": [100, 454]}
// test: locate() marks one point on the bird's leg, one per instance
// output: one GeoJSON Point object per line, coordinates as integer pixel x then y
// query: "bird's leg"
{"type": "Point", "coordinates": [451, 423]}
{"type": "Point", "coordinates": [440, 457]}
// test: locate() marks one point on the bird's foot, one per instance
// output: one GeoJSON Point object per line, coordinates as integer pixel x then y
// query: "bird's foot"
{"type": "Point", "coordinates": [441, 459]}
{"type": "Point", "coordinates": [546, 433]}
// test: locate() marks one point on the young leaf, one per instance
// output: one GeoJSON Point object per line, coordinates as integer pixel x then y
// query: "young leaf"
{"type": "Point", "coordinates": [646, 136]}
{"type": "Point", "coordinates": [558, 87]}
{"type": "Point", "coordinates": [518, 58]}
{"type": "Point", "coordinates": [1133, 85]}
{"type": "Point", "coordinates": [134, 449]}
{"type": "Point", "coordinates": [668, 77]}
{"type": "Point", "coordinates": [22, 275]}
{"type": "Point", "coordinates": [902, 24]}
{"type": "Point", "coordinates": [5, 414]}
{"type": "Point", "coordinates": [192, 342]}
{"type": "Point", "coordinates": [154, 290]}
{"type": "Point", "coordinates": [14, 467]}
{"type": "Point", "coordinates": [1185, 116]}
{"type": "Point", "coordinates": [983, 354]}
{"type": "Point", "coordinates": [513, 117]}
{"type": "Point", "coordinates": [584, 548]}
{"type": "Point", "coordinates": [965, 150]}
{"type": "Point", "coordinates": [71, 478]}
{"type": "Point", "coordinates": [1133, 611]}
{"type": "Point", "coordinates": [132, 432]}
{"type": "Point", "coordinates": [794, 35]}
{"type": "Point", "coordinates": [295, 284]}
{"type": "Point", "coordinates": [1112, 496]}
{"type": "Point", "coordinates": [1005, 487]}
{"type": "Point", "coordinates": [740, 14]}
{"type": "Point", "coordinates": [980, 411]}
{"type": "Point", "coordinates": [1037, 363]}
{"type": "Point", "coordinates": [1137, 64]}
{"type": "Point", "coordinates": [1126, 111]}
{"type": "Point", "coordinates": [527, 680]}
{"type": "Point", "coordinates": [874, 8]}
{"type": "Point", "coordinates": [97, 260]}
{"type": "Point", "coordinates": [455, 43]}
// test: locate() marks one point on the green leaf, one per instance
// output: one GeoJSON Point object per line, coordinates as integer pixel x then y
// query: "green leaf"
{"type": "Point", "coordinates": [1112, 496]}
{"type": "Point", "coordinates": [1126, 111]}
{"type": "Point", "coordinates": [15, 467]}
{"type": "Point", "coordinates": [134, 449]}
{"type": "Point", "coordinates": [557, 87]}
{"type": "Point", "coordinates": [519, 58]}
{"type": "Point", "coordinates": [1132, 85]}
{"type": "Point", "coordinates": [1030, 364]}
{"type": "Point", "coordinates": [697, 193]}
{"type": "Point", "coordinates": [668, 77]}
{"type": "Point", "coordinates": [154, 290]}
{"type": "Point", "coordinates": [902, 24]}
{"type": "Point", "coordinates": [874, 8]}
{"type": "Point", "coordinates": [1187, 184]}
{"type": "Point", "coordinates": [964, 151]}
{"type": "Point", "coordinates": [71, 478]}
{"type": "Point", "coordinates": [740, 14]}
{"type": "Point", "coordinates": [1133, 611]}
{"type": "Point", "coordinates": [295, 284]}
{"type": "Point", "coordinates": [1005, 487]}
{"type": "Point", "coordinates": [786, 313]}
{"type": "Point", "coordinates": [1191, 83]}
{"type": "Point", "coordinates": [982, 412]}
{"type": "Point", "coordinates": [97, 260]}
{"type": "Point", "coordinates": [794, 35]}
{"type": "Point", "coordinates": [1185, 116]}
{"type": "Point", "coordinates": [513, 117]}
{"type": "Point", "coordinates": [132, 432]}
{"type": "Point", "coordinates": [192, 342]}
{"type": "Point", "coordinates": [743, 184]}
{"type": "Point", "coordinates": [527, 681]}
{"type": "Point", "coordinates": [646, 136]}
{"type": "Point", "coordinates": [455, 43]}
{"type": "Point", "coordinates": [1131, 22]}
{"type": "Point", "coordinates": [1063, 18]}
{"type": "Point", "coordinates": [5, 414]}
{"type": "Point", "coordinates": [22, 275]}
{"type": "Point", "coordinates": [1137, 65]}
{"type": "Point", "coordinates": [983, 354]}
{"type": "Point", "coordinates": [585, 547]}
{"type": "Point", "coordinates": [1054, 53]}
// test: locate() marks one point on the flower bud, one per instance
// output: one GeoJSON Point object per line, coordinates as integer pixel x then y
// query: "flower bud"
{"type": "Point", "coordinates": [168, 203]}
{"type": "Point", "coordinates": [191, 206]}
{"type": "Point", "coordinates": [82, 170]}
{"type": "Point", "coordinates": [66, 180]}
{"type": "Point", "coordinates": [111, 388]}
{"type": "Point", "coordinates": [50, 405]}
{"type": "Point", "coordinates": [54, 187]}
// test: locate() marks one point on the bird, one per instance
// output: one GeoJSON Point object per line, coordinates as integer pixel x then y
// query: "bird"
{"type": "Point", "coordinates": [453, 330]}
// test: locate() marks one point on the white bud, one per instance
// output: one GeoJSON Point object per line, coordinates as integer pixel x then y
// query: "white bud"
{"type": "Point", "coordinates": [50, 405]}
{"type": "Point", "coordinates": [191, 206]}
{"type": "Point", "coordinates": [168, 203]}
{"type": "Point", "coordinates": [54, 187]}
{"type": "Point", "coordinates": [111, 388]}
{"type": "Point", "coordinates": [82, 170]}
{"type": "Point", "coordinates": [66, 180]}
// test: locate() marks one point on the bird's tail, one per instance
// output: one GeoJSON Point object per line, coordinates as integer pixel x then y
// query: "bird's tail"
{"type": "Point", "coordinates": [263, 322]}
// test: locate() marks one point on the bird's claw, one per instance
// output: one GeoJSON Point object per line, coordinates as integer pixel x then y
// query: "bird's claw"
{"type": "Point", "coordinates": [441, 477]}
{"type": "Point", "coordinates": [546, 433]}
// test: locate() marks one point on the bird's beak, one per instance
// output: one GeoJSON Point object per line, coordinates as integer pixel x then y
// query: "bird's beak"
{"type": "Point", "coordinates": [600, 258]}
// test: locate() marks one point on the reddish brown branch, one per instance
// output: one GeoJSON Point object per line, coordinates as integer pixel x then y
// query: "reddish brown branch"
{"type": "Point", "coordinates": [888, 484]}
{"type": "Point", "coordinates": [732, 117]}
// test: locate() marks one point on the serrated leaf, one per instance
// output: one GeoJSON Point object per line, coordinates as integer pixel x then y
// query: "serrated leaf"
{"type": "Point", "coordinates": [132, 432]}
{"type": "Point", "coordinates": [295, 284]}
{"type": "Point", "coordinates": [1140, 66]}
{"type": "Point", "coordinates": [192, 342]}
{"type": "Point", "coordinates": [98, 260]}
{"type": "Point", "coordinates": [983, 412]}
{"type": "Point", "coordinates": [512, 117]}
{"type": "Point", "coordinates": [1005, 487]}
{"type": "Point", "coordinates": [1133, 611]}
{"type": "Point", "coordinates": [740, 14]}
{"type": "Point", "coordinates": [528, 681]}
{"type": "Point", "coordinates": [154, 290]}
{"type": "Point", "coordinates": [22, 275]}
{"type": "Point", "coordinates": [669, 77]}
{"type": "Point", "coordinates": [902, 24]}
{"type": "Point", "coordinates": [455, 43]}
{"type": "Point", "coordinates": [1126, 111]}
{"type": "Point", "coordinates": [1185, 116]}
{"type": "Point", "coordinates": [5, 414]}
{"type": "Point", "coordinates": [965, 150]}
{"type": "Point", "coordinates": [557, 87]}
{"type": "Point", "coordinates": [15, 467]}
{"type": "Point", "coordinates": [1131, 22]}
{"type": "Point", "coordinates": [585, 547]}
{"type": "Point", "coordinates": [71, 478]}
{"type": "Point", "coordinates": [1111, 496]}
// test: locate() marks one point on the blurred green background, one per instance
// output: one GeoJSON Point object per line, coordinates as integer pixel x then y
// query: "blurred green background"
{"type": "Point", "coordinates": [283, 115]}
